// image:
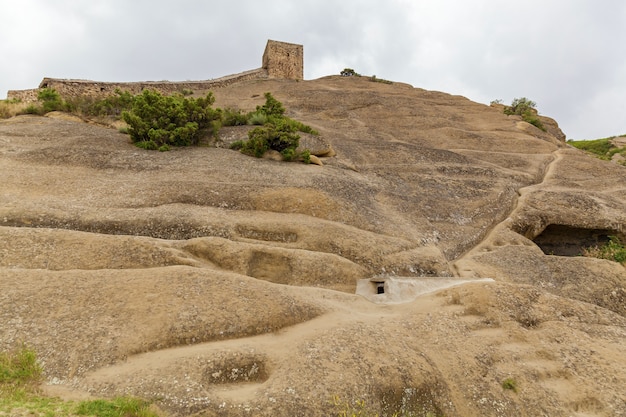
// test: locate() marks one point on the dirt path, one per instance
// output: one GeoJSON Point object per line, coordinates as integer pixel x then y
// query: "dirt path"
{"type": "Point", "coordinates": [459, 265]}
{"type": "Point", "coordinates": [267, 352]}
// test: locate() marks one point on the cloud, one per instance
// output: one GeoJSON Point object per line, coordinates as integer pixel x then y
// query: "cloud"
{"type": "Point", "coordinates": [563, 54]}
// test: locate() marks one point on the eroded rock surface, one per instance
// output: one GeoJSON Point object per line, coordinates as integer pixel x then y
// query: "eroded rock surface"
{"type": "Point", "coordinates": [218, 284]}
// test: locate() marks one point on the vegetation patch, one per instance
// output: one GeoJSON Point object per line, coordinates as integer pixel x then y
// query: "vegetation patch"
{"type": "Point", "coordinates": [19, 368]}
{"type": "Point", "coordinates": [113, 105]}
{"type": "Point", "coordinates": [10, 108]}
{"type": "Point", "coordinates": [156, 121]}
{"type": "Point", "coordinates": [525, 108]}
{"type": "Point", "coordinates": [20, 376]}
{"type": "Point", "coordinates": [601, 148]}
{"type": "Point", "coordinates": [48, 100]}
{"type": "Point", "coordinates": [117, 407]}
{"type": "Point", "coordinates": [509, 384]}
{"type": "Point", "coordinates": [275, 132]}
{"type": "Point", "coordinates": [349, 72]}
{"type": "Point", "coordinates": [613, 250]}
{"type": "Point", "coordinates": [373, 78]}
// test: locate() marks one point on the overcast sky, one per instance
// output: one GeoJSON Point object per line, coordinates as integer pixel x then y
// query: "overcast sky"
{"type": "Point", "coordinates": [566, 55]}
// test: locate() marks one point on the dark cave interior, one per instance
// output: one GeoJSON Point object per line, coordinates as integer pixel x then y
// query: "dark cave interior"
{"type": "Point", "coordinates": [562, 240]}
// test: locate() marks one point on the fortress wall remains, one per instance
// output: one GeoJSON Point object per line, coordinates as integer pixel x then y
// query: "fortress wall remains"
{"type": "Point", "coordinates": [284, 60]}
{"type": "Point", "coordinates": [280, 60]}
{"type": "Point", "coordinates": [76, 88]}
{"type": "Point", "coordinates": [26, 96]}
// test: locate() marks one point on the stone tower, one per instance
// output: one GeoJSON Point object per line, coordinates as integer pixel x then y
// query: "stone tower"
{"type": "Point", "coordinates": [284, 60]}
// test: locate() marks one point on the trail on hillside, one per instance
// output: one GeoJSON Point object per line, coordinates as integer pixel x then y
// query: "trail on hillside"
{"type": "Point", "coordinates": [523, 194]}
{"type": "Point", "coordinates": [232, 370]}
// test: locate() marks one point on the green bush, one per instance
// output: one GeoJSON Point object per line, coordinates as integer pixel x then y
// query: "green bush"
{"type": "Point", "coordinates": [276, 132]}
{"type": "Point", "coordinates": [257, 143]}
{"type": "Point", "coordinates": [519, 106]}
{"type": "Point", "coordinates": [281, 138]}
{"type": "Point", "coordinates": [613, 250]}
{"type": "Point", "coordinates": [169, 120]}
{"type": "Point", "coordinates": [48, 100]}
{"type": "Point", "coordinates": [232, 117]}
{"type": "Point", "coordinates": [112, 105]}
{"type": "Point", "coordinates": [257, 118]}
{"type": "Point", "coordinates": [33, 109]}
{"type": "Point", "coordinates": [526, 109]}
{"type": "Point", "coordinates": [299, 126]}
{"type": "Point", "coordinates": [272, 107]}
{"type": "Point", "coordinates": [51, 100]}
{"type": "Point", "coordinates": [349, 72]}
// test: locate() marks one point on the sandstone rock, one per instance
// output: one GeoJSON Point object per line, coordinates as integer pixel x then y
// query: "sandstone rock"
{"type": "Point", "coordinates": [224, 284]}
{"type": "Point", "coordinates": [315, 160]}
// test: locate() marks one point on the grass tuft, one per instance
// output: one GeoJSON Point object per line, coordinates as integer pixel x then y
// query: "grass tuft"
{"type": "Point", "coordinates": [509, 384]}
{"type": "Point", "coordinates": [613, 250]}
{"type": "Point", "coordinates": [20, 376]}
{"type": "Point", "coordinates": [117, 407]}
{"type": "Point", "coordinates": [19, 367]}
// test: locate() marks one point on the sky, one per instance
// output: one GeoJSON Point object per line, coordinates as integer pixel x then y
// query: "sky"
{"type": "Point", "coordinates": [566, 55]}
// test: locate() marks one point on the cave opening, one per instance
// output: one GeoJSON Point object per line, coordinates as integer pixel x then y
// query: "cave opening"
{"type": "Point", "coordinates": [562, 240]}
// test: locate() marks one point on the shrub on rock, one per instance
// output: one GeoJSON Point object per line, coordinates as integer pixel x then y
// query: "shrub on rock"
{"type": "Point", "coordinates": [155, 120]}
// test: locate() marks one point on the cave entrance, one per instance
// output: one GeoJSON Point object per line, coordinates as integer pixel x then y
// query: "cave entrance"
{"type": "Point", "coordinates": [561, 240]}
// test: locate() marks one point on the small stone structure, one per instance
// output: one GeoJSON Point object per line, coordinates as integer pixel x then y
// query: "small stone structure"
{"type": "Point", "coordinates": [280, 60]}
{"type": "Point", "coordinates": [284, 60]}
{"type": "Point", "coordinates": [398, 290]}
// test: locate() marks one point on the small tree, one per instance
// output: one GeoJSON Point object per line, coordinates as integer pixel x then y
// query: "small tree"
{"type": "Point", "coordinates": [157, 122]}
{"type": "Point", "coordinates": [51, 99]}
{"type": "Point", "coordinates": [272, 107]}
{"type": "Point", "coordinates": [525, 108]}
{"type": "Point", "coordinates": [281, 137]}
{"type": "Point", "coordinates": [276, 132]}
{"type": "Point", "coordinates": [349, 72]}
{"type": "Point", "coordinates": [520, 106]}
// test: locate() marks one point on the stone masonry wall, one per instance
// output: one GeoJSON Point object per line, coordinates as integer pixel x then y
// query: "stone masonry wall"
{"type": "Point", "coordinates": [280, 60]}
{"type": "Point", "coordinates": [76, 88]}
{"type": "Point", "coordinates": [26, 96]}
{"type": "Point", "coordinates": [284, 60]}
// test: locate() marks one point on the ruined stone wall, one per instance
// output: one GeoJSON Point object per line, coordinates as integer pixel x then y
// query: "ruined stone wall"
{"type": "Point", "coordinates": [284, 60]}
{"type": "Point", "coordinates": [26, 96]}
{"type": "Point", "coordinates": [75, 88]}
{"type": "Point", "coordinates": [280, 60]}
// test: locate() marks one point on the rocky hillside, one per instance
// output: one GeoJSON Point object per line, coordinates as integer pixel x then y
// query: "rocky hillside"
{"type": "Point", "coordinates": [218, 284]}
